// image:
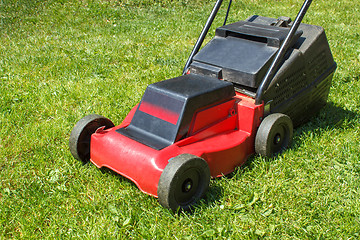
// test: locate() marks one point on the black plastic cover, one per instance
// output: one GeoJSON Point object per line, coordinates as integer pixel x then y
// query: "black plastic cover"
{"type": "Point", "coordinates": [242, 51]}
{"type": "Point", "coordinates": [167, 108]}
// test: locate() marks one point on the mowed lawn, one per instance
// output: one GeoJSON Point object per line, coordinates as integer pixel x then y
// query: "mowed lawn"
{"type": "Point", "coordinates": [62, 60]}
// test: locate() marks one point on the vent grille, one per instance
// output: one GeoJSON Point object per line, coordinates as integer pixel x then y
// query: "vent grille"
{"type": "Point", "coordinates": [289, 85]}
{"type": "Point", "coordinates": [318, 65]}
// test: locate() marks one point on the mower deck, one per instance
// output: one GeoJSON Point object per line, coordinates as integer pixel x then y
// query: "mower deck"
{"type": "Point", "coordinates": [224, 143]}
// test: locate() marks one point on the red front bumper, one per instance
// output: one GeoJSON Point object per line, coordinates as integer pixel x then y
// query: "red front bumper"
{"type": "Point", "coordinates": [141, 164]}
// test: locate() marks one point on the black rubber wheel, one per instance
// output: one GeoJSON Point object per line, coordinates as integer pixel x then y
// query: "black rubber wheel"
{"type": "Point", "coordinates": [183, 182]}
{"type": "Point", "coordinates": [79, 141]}
{"type": "Point", "coordinates": [274, 135]}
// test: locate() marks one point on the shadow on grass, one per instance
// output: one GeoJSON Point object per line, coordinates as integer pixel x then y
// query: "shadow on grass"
{"type": "Point", "coordinates": [330, 117]}
{"type": "Point", "coordinates": [120, 177]}
{"type": "Point", "coordinates": [214, 193]}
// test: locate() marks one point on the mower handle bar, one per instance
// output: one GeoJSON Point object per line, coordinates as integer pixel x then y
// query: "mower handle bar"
{"type": "Point", "coordinates": [275, 65]}
{"type": "Point", "coordinates": [203, 34]}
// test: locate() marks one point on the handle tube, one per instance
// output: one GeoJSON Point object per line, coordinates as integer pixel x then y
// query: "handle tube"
{"type": "Point", "coordinates": [203, 34]}
{"type": "Point", "coordinates": [227, 13]}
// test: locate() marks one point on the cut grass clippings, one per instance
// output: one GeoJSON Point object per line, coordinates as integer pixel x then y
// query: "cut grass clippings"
{"type": "Point", "coordinates": [62, 60]}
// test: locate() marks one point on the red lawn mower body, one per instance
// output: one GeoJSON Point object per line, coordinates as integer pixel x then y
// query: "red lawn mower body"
{"type": "Point", "coordinates": [223, 135]}
{"type": "Point", "coordinates": [241, 94]}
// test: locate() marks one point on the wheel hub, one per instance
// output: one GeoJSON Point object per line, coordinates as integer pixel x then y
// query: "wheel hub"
{"type": "Point", "coordinates": [277, 139]}
{"type": "Point", "coordinates": [187, 185]}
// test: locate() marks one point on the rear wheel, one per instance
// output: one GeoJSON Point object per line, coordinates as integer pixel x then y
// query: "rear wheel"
{"type": "Point", "coordinates": [274, 135]}
{"type": "Point", "coordinates": [79, 141]}
{"type": "Point", "coordinates": [183, 182]}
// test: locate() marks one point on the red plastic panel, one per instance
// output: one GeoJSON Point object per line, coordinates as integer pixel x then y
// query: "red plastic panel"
{"type": "Point", "coordinates": [250, 115]}
{"type": "Point", "coordinates": [222, 127]}
{"type": "Point", "coordinates": [212, 115]}
{"type": "Point", "coordinates": [222, 152]}
{"type": "Point", "coordinates": [229, 147]}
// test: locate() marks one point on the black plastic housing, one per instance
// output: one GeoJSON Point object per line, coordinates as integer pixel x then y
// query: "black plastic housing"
{"type": "Point", "coordinates": [242, 52]}
{"type": "Point", "coordinates": [167, 108]}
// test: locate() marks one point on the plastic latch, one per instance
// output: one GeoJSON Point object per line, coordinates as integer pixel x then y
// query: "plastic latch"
{"type": "Point", "coordinates": [283, 21]}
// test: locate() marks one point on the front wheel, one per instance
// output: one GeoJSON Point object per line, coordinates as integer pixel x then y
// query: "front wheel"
{"type": "Point", "coordinates": [274, 135]}
{"type": "Point", "coordinates": [79, 141]}
{"type": "Point", "coordinates": [183, 182]}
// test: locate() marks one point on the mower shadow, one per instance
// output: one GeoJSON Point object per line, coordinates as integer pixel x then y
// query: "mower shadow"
{"type": "Point", "coordinates": [121, 178]}
{"type": "Point", "coordinates": [214, 193]}
{"type": "Point", "coordinates": [330, 117]}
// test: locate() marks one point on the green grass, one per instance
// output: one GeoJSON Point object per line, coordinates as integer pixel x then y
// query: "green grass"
{"type": "Point", "coordinates": [61, 60]}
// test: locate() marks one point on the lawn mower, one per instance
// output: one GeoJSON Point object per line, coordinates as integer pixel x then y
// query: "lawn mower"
{"type": "Point", "coordinates": [241, 94]}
